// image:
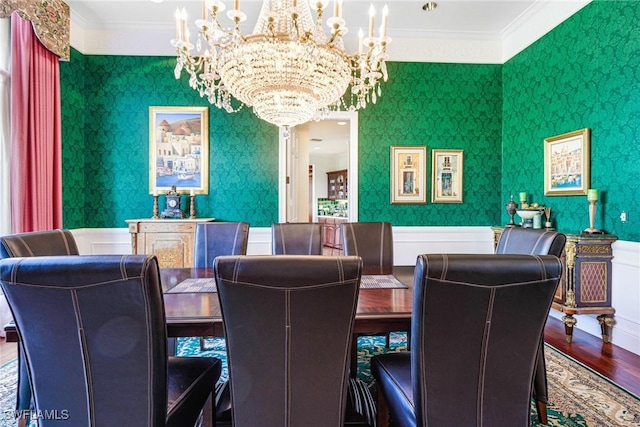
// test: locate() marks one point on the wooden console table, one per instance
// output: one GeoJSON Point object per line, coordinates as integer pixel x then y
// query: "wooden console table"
{"type": "Point", "coordinates": [171, 240]}
{"type": "Point", "coordinates": [585, 286]}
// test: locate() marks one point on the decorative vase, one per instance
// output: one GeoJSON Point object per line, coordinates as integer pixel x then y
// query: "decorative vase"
{"type": "Point", "coordinates": [511, 207]}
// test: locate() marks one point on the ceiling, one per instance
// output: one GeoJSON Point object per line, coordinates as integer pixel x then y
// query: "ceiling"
{"type": "Point", "coordinates": [476, 31]}
{"type": "Point", "coordinates": [479, 18]}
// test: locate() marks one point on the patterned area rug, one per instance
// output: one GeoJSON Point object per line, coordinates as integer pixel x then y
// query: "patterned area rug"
{"type": "Point", "coordinates": [577, 396]}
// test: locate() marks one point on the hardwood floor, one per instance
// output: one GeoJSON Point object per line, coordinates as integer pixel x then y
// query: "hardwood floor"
{"type": "Point", "coordinates": [8, 351]}
{"type": "Point", "coordinates": [617, 364]}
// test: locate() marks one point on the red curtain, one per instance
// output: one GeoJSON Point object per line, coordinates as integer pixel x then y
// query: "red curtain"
{"type": "Point", "coordinates": [36, 174]}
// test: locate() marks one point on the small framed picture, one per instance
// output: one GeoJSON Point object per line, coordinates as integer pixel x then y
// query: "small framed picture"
{"type": "Point", "coordinates": [567, 163]}
{"type": "Point", "coordinates": [408, 174]}
{"type": "Point", "coordinates": [448, 175]}
{"type": "Point", "coordinates": [179, 149]}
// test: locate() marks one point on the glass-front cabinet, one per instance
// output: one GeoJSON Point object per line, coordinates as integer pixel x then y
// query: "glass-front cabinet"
{"type": "Point", "coordinates": [337, 185]}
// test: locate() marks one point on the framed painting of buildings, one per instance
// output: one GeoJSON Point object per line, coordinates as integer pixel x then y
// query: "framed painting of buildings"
{"type": "Point", "coordinates": [179, 149]}
{"type": "Point", "coordinates": [447, 169]}
{"type": "Point", "coordinates": [567, 163]}
{"type": "Point", "coordinates": [408, 174]}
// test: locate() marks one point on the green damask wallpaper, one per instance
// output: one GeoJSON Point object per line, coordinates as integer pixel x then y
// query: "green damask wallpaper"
{"type": "Point", "coordinates": [442, 106]}
{"type": "Point", "coordinates": [73, 97]}
{"type": "Point", "coordinates": [107, 141]}
{"type": "Point", "coordinates": [106, 134]}
{"type": "Point", "coordinates": [585, 73]}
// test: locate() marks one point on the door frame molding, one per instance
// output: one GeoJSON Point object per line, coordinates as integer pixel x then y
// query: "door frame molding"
{"type": "Point", "coordinates": [352, 117]}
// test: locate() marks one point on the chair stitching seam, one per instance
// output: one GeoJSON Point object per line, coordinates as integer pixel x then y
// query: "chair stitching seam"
{"type": "Point", "coordinates": [483, 356]}
{"type": "Point", "coordinates": [235, 239]}
{"type": "Point", "coordinates": [287, 355]}
{"type": "Point", "coordinates": [85, 355]}
{"type": "Point", "coordinates": [381, 254]}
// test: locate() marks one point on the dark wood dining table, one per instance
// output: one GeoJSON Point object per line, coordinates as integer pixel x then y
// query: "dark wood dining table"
{"type": "Point", "coordinates": [198, 314]}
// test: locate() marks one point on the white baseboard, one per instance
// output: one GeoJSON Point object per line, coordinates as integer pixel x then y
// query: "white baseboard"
{"type": "Point", "coordinates": [409, 242]}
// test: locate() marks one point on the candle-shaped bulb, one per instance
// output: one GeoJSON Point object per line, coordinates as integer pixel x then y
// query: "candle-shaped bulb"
{"type": "Point", "coordinates": [592, 195]}
{"type": "Point", "coordinates": [339, 8]}
{"type": "Point", "coordinates": [372, 13]}
{"type": "Point", "coordinates": [178, 17]}
{"type": "Point", "coordinates": [236, 5]}
{"type": "Point", "coordinates": [383, 27]}
{"type": "Point", "coordinates": [184, 35]}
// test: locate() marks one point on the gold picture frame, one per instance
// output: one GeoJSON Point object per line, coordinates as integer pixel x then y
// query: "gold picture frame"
{"type": "Point", "coordinates": [179, 149]}
{"type": "Point", "coordinates": [567, 168]}
{"type": "Point", "coordinates": [447, 181]}
{"type": "Point", "coordinates": [408, 174]}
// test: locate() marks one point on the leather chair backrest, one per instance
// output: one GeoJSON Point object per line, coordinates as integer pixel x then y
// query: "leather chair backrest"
{"type": "Point", "coordinates": [372, 241]}
{"type": "Point", "coordinates": [280, 313]}
{"type": "Point", "coordinates": [38, 243]}
{"type": "Point", "coordinates": [476, 327]}
{"type": "Point", "coordinates": [516, 240]}
{"type": "Point", "coordinates": [93, 331]}
{"type": "Point", "coordinates": [297, 238]}
{"type": "Point", "coordinates": [213, 239]}
{"type": "Point", "coordinates": [30, 244]}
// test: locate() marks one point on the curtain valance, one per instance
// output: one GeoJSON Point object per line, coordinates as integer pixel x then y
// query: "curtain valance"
{"type": "Point", "coordinates": [50, 19]}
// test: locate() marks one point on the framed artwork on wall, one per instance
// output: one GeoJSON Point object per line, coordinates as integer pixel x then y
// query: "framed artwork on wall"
{"type": "Point", "coordinates": [408, 174]}
{"type": "Point", "coordinates": [179, 149]}
{"type": "Point", "coordinates": [447, 169]}
{"type": "Point", "coordinates": [567, 163]}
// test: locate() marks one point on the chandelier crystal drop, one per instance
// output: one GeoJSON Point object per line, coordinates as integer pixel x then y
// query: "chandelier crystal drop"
{"type": "Point", "coordinates": [289, 70]}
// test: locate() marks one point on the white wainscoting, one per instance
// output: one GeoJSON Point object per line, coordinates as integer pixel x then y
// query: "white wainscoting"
{"type": "Point", "coordinates": [409, 242]}
{"type": "Point", "coordinates": [102, 241]}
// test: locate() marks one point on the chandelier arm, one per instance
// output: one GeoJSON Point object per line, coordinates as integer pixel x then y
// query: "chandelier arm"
{"type": "Point", "coordinates": [296, 26]}
{"type": "Point", "coordinates": [335, 33]}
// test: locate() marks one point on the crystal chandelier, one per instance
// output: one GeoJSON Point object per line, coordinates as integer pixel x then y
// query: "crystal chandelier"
{"type": "Point", "coordinates": [289, 70]}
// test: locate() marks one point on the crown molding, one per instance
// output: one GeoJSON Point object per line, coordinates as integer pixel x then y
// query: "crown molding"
{"type": "Point", "coordinates": [542, 17]}
{"type": "Point", "coordinates": [407, 45]}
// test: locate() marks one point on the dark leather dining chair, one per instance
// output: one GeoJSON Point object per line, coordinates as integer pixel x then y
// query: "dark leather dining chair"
{"type": "Point", "coordinates": [213, 239]}
{"type": "Point", "coordinates": [93, 330]}
{"type": "Point", "coordinates": [476, 327]}
{"type": "Point", "coordinates": [29, 244]}
{"type": "Point", "coordinates": [516, 240]}
{"type": "Point", "coordinates": [373, 242]}
{"type": "Point", "coordinates": [297, 238]}
{"type": "Point", "coordinates": [288, 321]}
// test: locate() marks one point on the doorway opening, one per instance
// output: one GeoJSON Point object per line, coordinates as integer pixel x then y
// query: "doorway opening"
{"type": "Point", "coordinates": [307, 155]}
